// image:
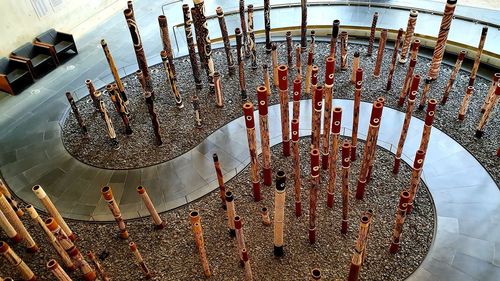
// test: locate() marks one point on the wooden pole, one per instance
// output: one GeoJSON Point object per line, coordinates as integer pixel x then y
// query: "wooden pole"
{"type": "Point", "coordinates": [245, 50]}
{"type": "Point", "coordinates": [241, 65]}
{"type": "Point", "coordinates": [114, 71]}
{"type": "Point", "coordinates": [477, 60]}
{"type": "Point", "coordinates": [489, 96]}
{"type": "Point", "coordinates": [343, 51]}
{"type": "Point", "coordinates": [336, 125]}
{"type": "Point", "coordinates": [262, 96]}
{"type": "Point", "coordinates": [404, 199]}
{"type": "Point", "coordinates": [346, 167]}
{"type": "Point", "coordinates": [303, 25]}
{"type": "Point", "coordinates": [251, 38]}
{"type": "Point", "coordinates": [315, 274]}
{"type": "Point", "coordinates": [150, 105]}
{"type": "Point", "coordinates": [372, 35]}
{"type": "Point", "coordinates": [380, 52]}
{"type": "Point", "coordinates": [392, 68]}
{"type": "Point", "coordinates": [425, 91]}
{"type": "Point", "coordinates": [279, 213]}
{"type": "Point", "coordinates": [355, 66]}
{"type": "Point", "coordinates": [274, 59]}
{"type": "Point", "coordinates": [57, 271]}
{"type": "Point", "coordinates": [489, 108]}
{"type": "Point", "coordinates": [313, 194]}
{"type": "Point", "coordinates": [169, 71]}
{"type": "Point", "coordinates": [240, 238]}
{"type": "Point", "coordinates": [18, 225]}
{"type": "Point", "coordinates": [334, 37]}
{"type": "Point", "coordinates": [74, 108]}
{"type": "Point", "coordinates": [360, 247]}
{"type": "Point", "coordinates": [99, 268]}
{"type": "Point", "coordinates": [465, 103]}
{"type": "Point", "coordinates": [246, 264]}
{"type": "Point", "coordinates": [267, 24]}
{"type": "Point", "coordinates": [285, 123]}
{"type": "Point", "coordinates": [165, 39]}
{"type": "Point", "coordinates": [158, 222]}
{"type": "Point", "coordinates": [297, 179]}
{"type": "Point", "coordinates": [289, 49]}
{"type": "Point", "coordinates": [190, 43]}
{"type": "Point", "coordinates": [220, 180]}
{"type": "Point", "coordinates": [231, 213]}
{"type": "Point", "coordinates": [140, 261]}
{"type": "Point", "coordinates": [453, 75]}
{"type": "Point", "coordinates": [194, 218]}
{"type": "Point", "coordinates": [404, 131]}
{"type": "Point", "coordinates": [219, 95]}
{"type": "Point", "coordinates": [297, 89]}
{"type": "Point", "coordinates": [327, 111]}
{"type": "Point", "coordinates": [17, 262]}
{"type": "Point", "coordinates": [9, 230]}
{"type": "Point", "coordinates": [410, 28]}
{"type": "Point", "coordinates": [415, 177]}
{"type": "Point", "coordinates": [409, 72]}
{"type": "Point", "coordinates": [107, 194]}
{"type": "Point", "coordinates": [225, 39]}
{"type": "Point", "coordinates": [265, 217]}
{"type": "Point", "coordinates": [12, 201]}
{"type": "Point", "coordinates": [355, 117]}
{"type": "Point", "coordinates": [316, 118]}
{"type": "Point", "coordinates": [252, 147]}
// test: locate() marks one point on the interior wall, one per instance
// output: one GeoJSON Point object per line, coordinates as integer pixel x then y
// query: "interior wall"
{"type": "Point", "coordinates": [22, 20]}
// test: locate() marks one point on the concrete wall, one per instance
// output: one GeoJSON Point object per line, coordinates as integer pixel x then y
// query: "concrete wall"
{"type": "Point", "coordinates": [22, 20]}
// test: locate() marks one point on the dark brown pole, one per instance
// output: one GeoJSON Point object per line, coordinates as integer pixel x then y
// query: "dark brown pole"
{"type": "Point", "coordinates": [165, 39]}
{"type": "Point", "coordinates": [200, 6]}
{"type": "Point", "coordinates": [289, 49]}
{"type": "Point", "coordinates": [150, 104]}
{"type": "Point", "coordinates": [453, 75]}
{"type": "Point", "coordinates": [332, 180]}
{"type": "Point", "coordinates": [241, 65]}
{"type": "Point", "coordinates": [313, 194]}
{"type": "Point", "coordinates": [200, 42]}
{"type": "Point", "coordinates": [298, 61]}
{"type": "Point", "coordinates": [425, 91]}
{"type": "Point", "coordinates": [192, 53]}
{"type": "Point", "coordinates": [114, 71]}
{"type": "Point", "coordinates": [392, 68]}
{"type": "Point", "coordinates": [355, 117]}
{"type": "Point", "coordinates": [220, 180]}
{"type": "Point", "coordinates": [78, 117]}
{"type": "Point", "coordinates": [262, 96]}
{"type": "Point", "coordinates": [297, 177]}
{"type": "Point", "coordinates": [274, 60]}
{"type": "Point", "coordinates": [404, 199]}
{"type": "Point", "coordinates": [380, 52]}
{"type": "Point", "coordinates": [91, 88]}
{"type": "Point", "coordinates": [251, 38]}
{"type": "Point", "coordinates": [252, 146]}
{"type": "Point", "coordinates": [333, 39]}
{"type": "Point", "coordinates": [303, 25]}
{"type": "Point", "coordinates": [372, 34]}
{"type": "Point", "coordinates": [119, 106]}
{"type": "Point", "coordinates": [267, 25]}
{"type": "Point", "coordinates": [267, 81]}
{"type": "Point", "coordinates": [225, 38]}
{"type": "Point", "coordinates": [283, 94]}
{"type": "Point", "coordinates": [171, 79]}
{"type": "Point", "coordinates": [245, 48]}
{"type": "Point", "coordinates": [477, 60]}
{"type": "Point", "coordinates": [409, 73]}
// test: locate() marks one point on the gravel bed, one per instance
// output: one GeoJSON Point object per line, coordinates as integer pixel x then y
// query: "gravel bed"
{"type": "Point", "coordinates": [180, 134]}
{"type": "Point", "coordinates": [171, 253]}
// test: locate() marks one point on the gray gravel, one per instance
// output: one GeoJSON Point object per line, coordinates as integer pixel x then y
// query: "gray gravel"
{"type": "Point", "coordinates": [172, 255]}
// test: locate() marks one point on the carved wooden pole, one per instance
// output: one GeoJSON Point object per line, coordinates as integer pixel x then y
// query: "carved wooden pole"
{"type": "Point", "coordinates": [355, 66]}
{"type": "Point", "coordinates": [74, 108]}
{"type": "Point", "coordinates": [477, 60]}
{"type": "Point", "coordinates": [267, 82]}
{"type": "Point", "coordinates": [18, 225]}
{"type": "Point", "coordinates": [230, 212]}
{"type": "Point", "coordinates": [57, 271]}
{"type": "Point", "coordinates": [297, 179]}
{"type": "Point", "coordinates": [196, 108]}
{"type": "Point", "coordinates": [489, 96]}
{"type": "Point", "coordinates": [410, 28]}
{"type": "Point", "coordinates": [313, 194]}
{"type": "Point", "coordinates": [220, 180]}
{"type": "Point", "coordinates": [9, 230]}
{"type": "Point", "coordinates": [380, 52]}
{"type": "Point", "coordinates": [360, 247]}
{"type": "Point", "coordinates": [336, 125]}
{"type": "Point", "coordinates": [346, 167]}
{"type": "Point", "coordinates": [23, 269]}
{"type": "Point", "coordinates": [252, 147]}
{"type": "Point", "coordinates": [453, 75]}
{"type": "Point", "coordinates": [392, 67]}
{"type": "Point", "coordinates": [140, 261]}
{"type": "Point", "coordinates": [372, 35]}
{"type": "Point", "coordinates": [289, 49]}
{"type": "Point", "coordinates": [241, 65]}
{"type": "Point", "coordinates": [194, 218]}
{"type": "Point", "coordinates": [409, 72]}
{"type": "Point", "coordinates": [107, 194]}
{"type": "Point", "coordinates": [165, 39]}
{"type": "Point", "coordinates": [109, 125]}
{"type": "Point", "coordinates": [139, 50]}
{"type": "Point", "coordinates": [52, 210]}
{"type": "Point", "coordinates": [225, 38]}
{"type": "Point", "coordinates": [246, 265]}
{"type": "Point", "coordinates": [343, 50]}
{"type": "Point", "coordinates": [355, 117]}
{"type": "Point", "coordinates": [240, 238]}
{"type": "Point", "coordinates": [274, 59]}
{"type": "Point", "coordinates": [171, 79]}
{"type": "Point", "coordinates": [251, 38]}
{"type": "Point", "coordinates": [315, 274]}
{"type": "Point", "coordinates": [429, 118]}
{"type": "Point", "coordinates": [297, 88]}
{"type": "Point", "coordinates": [316, 118]}
{"type": "Point", "coordinates": [333, 38]}
{"type": "Point", "coordinates": [372, 156]}
{"type": "Point", "coordinates": [119, 107]}
{"type": "Point", "coordinates": [200, 42]}
{"type": "Point", "coordinates": [245, 50]}
{"type": "Point", "coordinates": [489, 108]}
{"type": "Point", "coordinates": [150, 105]}
{"type": "Point", "coordinates": [99, 268]}
{"type": "Point", "coordinates": [327, 115]}
{"type": "Point", "coordinates": [415, 177]}
{"type": "Point", "coordinates": [88, 273]}
{"type": "Point", "coordinates": [219, 95]}
{"type": "Point", "coordinates": [200, 6]}
{"type": "Point", "coordinates": [68, 263]}
{"type": "Point", "coordinates": [298, 61]}
{"type": "Point", "coordinates": [190, 43]}
{"type": "Point", "coordinates": [465, 103]}
{"type": "Point", "coordinates": [91, 88]}
{"type": "Point", "coordinates": [5, 191]}
{"type": "Point", "coordinates": [303, 25]}
{"type": "Point", "coordinates": [437, 57]}
{"type": "Point", "coordinates": [158, 222]}
{"type": "Point", "coordinates": [279, 213]}
{"type": "Point", "coordinates": [310, 60]}
{"type": "Point", "coordinates": [425, 91]}
{"type": "Point", "coordinates": [285, 123]}
{"type": "Point", "coordinates": [267, 25]}
{"type": "Point", "coordinates": [370, 146]}
{"type": "Point", "coordinates": [265, 217]}
{"type": "Point", "coordinates": [404, 199]}
{"type": "Point", "coordinates": [114, 71]}
{"type": "Point", "coordinates": [404, 131]}
{"type": "Point", "coordinates": [262, 96]}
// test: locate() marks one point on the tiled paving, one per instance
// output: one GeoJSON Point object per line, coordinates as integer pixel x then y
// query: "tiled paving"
{"type": "Point", "coordinates": [467, 241]}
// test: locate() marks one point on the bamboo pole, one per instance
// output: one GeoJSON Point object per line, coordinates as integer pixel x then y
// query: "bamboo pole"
{"type": "Point", "coordinates": [246, 264]}
{"type": "Point", "coordinates": [355, 117]}
{"type": "Point", "coordinates": [409, 73]}
{"type": "Point", "coordinates": [165, 39]}
{"type": "Point", "coordinates": [404, 199]}
{"type": "Point", "coordinates": [119, 107]}
{"type": "Point", "coordinates": [297, 89]}
{"type": "Point", "coordinates": [240, 238]}
{"type": "Point", "coordinates": [109, 125]}
{"type": "Point", "coordinates": [220, 180]}
{"type": "Point", "coordinates": [298, 61]}
{"type": "Point", "coordinates": [98, 266]}
{"type": "Point", "coordinates": [5, 191]}
{"type": "Point", "coordinates": [196, 108]}
{"type": "Point", "coordinates": [289, 49]}
{"type": "Point", "coordinates": [107, 194]}
{"type": "Point", "coordinates": [262, 96]}
{"type": "Point", "coordinates": [425, 91]}
{"type": "Point", "coordinates": [343, 51]}
{"type": "Point", "coordinates": [336, 125]}
{"type": "Point", "coordinates": [91, 89]}
{"type": "Point", "coordinates": [410, 28]}
{"type": "Point", "coordinates": [285, 123]}
{"type": "Point", "coordinates": [392, 67]}
{"type": "Point", "coordinates": [327, 111]}
{"type": "Point", "coordinates": [479, 53]}
{"type": "Point", "coordinates": [158, 222]}
{"type": "Point", "coordinates": [52, 210]}
{"type": "Point", "coordinates": [334, 37]}
{"type": "Point", "coordinates": [380, 52]}
{"type": "Point", "coordinates": [267, 24]}
{"type": "Point", "coordinates": [489, 108]}
{"type": "Point", "coordinates": [190, 43]}
{"type": "Point", "coordinates": [429, 118]}
{"type": "Point", "coordinates": [140, 261]}
{"type": "Point", "coordinates": [274, 60]}
{"type": "Point", "coordinates": [415, 177]}
{"type": "Point", "coordinates": [18, 225]}
{"type": "Point", "coordinates": [453, 75]}
{"type": "Point", "coordinates": [57, 271]}
{"type": "Point", "coordinates": [114, 72]}
{"type": "Point", "coordinates": [252, 147]}
{"type": "Point", "coordinates": [251, 38]}
{"type": "Point", "coordinates": [225, 39]}
{"type": "Point", "coordinates": [74, 108]}
{"type": "Point", "coordinates": [346, 166]}
{"type": "Point", "coordinates": [200, 6]}
{"type": "Point", "coordinates": [219, 95]}
{"type": "Point", "coordinates": [9, 230]}
{"type": "Point", "coordinates": [465, 103]}
{"type": "Point", "coordinates": [489, 96]}
{"type": "Point", "coordinates": [194, 218]}
{"type": "Point", "coordinates": [310, 60]}
{"type": "Point", "coordinates": [372, 35]}
{"type": "Point", "coordinates": [265, 217]}
{"type": "Point", "coordinates": [360, 247]}
{"type": "Point", "coordinates": [315, 274]}
{"type": "Point", "coordinates": [316, 118]}
{"type": "Point", "coordinates": [150, 105]}
{"type": "Point", "coordinates": [241, 65]}
{"type": "Point", "coordinates": [169, 71]}
{"type": "Point", "coordinates": [230, 212]}
{"type": "Point", "coordinates": [279, 213]}
{"type": "Point", "coordinates": [17, 262]}
{"type": "Point", "coordinates": [267, 82]}
{"type": "Point", "coordinates": [355, 66]}
{"type": "Point", "coordinates": [313, 194]}
{"type": "Point", "coordinates": [374, 149]}
{"type": "Point", "coordinates": [404, 131]}
{"type": "Point", "coordinates": [303, 25]}
{"type": "Point", "coordinates": [297, 179]}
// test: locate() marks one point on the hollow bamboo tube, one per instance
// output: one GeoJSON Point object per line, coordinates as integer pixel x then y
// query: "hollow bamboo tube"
{"type": "Point", "coordinates": [489, 108]}
{"type": "Point", "coordinates": [374, 148]}
{"type": "Point", "coordinates": [262, 96]}
{"type": "Point", "coordinates": [392, 67]}
{"type": "Point", "coordinates": [114, 72]}
{"type": "Point", "coordinates": [265, 217]}
{"type": "Point", "coordinates": [246, 50]}
{"type": "Point", "coordinates": [76, 112]}
{"type": "Point", "coordinates": [409, 72]}
{"type": "Point", "coordinates": [285, 119]}
{"type": "Point", "coordinates": [109, 125]}
{"type": "Point", "coordinates": [477, 60]}
{"type": "Point", "coordinates": [190, 43]}
{"type": "Point", "coordinates": [140, 261]}
{"type": "Point", "coordinates": [165, 39]}
{"type": "Point", "coordinates": [334, 37]}
{"type": "Point", "coordinates": [91, 89]}
{"type": "Point", "coordinates": [98, 266]}
{"type": "Point", "coordinates": [107, 194]}
{"type": "Point", "coordinates": [274, 60]}
{"type": "Point", "coordinates": [360, 247]}
{"type": "Point", "coordinates": [246, 264]}
{"type": "Point", "coordinates": [225, 39]}
{"type": "Point", "coordinates": [289, 49]}
{"type": "Point", "coordinates": [355, 66]}
{"type": "Point", "coordinates": [194, 218]}
{"type": "Point", "coordinates": [429, 118]}
{"type": "Point", "coordinates": [57, 271]}
{"type": "Point", "coordinates": [355, 112]}
{"type": "Point", "coordinates": [230, 212]}
{"type": "Point", "coordinates": [171, 79]}
{"type": "Point", "coordinates": [346, 166]}
{"type": "Point", "coordinates": [465, 103]}
{"type": "Point", "coordinates": [200, 42]}
{"type": "Point", "coordinates": [18, 225]}
{"type": "Point", "coordinates": [372, 35]}
{"type": "Point", "coordinates": [279, 213]}
{"type": "Point", "coordinates": [150, 105]}
{"type": "Point", "coordinates": [316, 118]}
{"type": "Point", "coordinates": [415, 177]}
{"type": "Point", "coordinates": [219, 95]}
{"type": "Point", "coordinates": [17, 262]}
{"type": "Point", "coordinates": [489, 96]}
{"type": "Point", "coordinates": [200, 6]}
{"type": "Point", "coordinates": [195, 101]}
{"type": "Point", "coordinates": [343, 50]}
{"type": "Point", "coordinates": [327, 111]}
{"type": "Point", "coordinates": [336, 125]}
{"type": "Point", "coordinates": [240, 238]}
{"type": "Point", "coordinates": [313, 194]}
{"type": "Point", "coordinates": [139, 50]}
{"type": "Point", "coordinates": [425, 91]}
{"type": "Point", "coordinates": [453, 75]}
{"type": "Point", "coordinates": [5, 191]}
{"type": "Point", "coordinates": [410, 29]}
{"type": "Point", "coordinates": [380, 52]}
{"type": "Point", "coordinates": [158, 222]}
{"type": "Point", "coordinates": [370, 146]}
{"type": "Point", "coordinates": [303, 25]}
{"type": "Point", "coordinates": [252, 147]}
{"type": "Point", "coordinates": [315, 274]}
{"type": "Point", "coordinates": [298, 61]}
{"type": "Point", "coordinates": [68, 263]}
{"type": "Point", "coordinates": [9, 229]}
{"type": "Point", "coordinates": [404, 198]}
{"type": "Point", "coordinates": [251, 38]}
{"type": "Point", "coordinates": [119, 106]}
{"type": "Point", "coordinates": [439, 48]}
{"type": "Point", "coordinates": [310, 60]}
{"type": "Point", "coordinates": [241, 65]}
{"type": "Point", "coordinates": [267, 24]}
{"type": "Point", "coordinates": [267, 82]}
{"type": "Point", "coordinates": [88, 273]}
{"type": "Point", "coordinates": [297, 88]}
{"type": "Point", "coordinates": [297, 179]}
{"type": "Point", "coordinates": [404, 131]}
{"type": "Point", "coordinates": [220, 180]}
